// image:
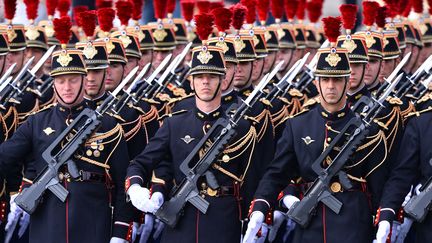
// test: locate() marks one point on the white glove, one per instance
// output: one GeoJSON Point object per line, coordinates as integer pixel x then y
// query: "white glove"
{"type": "Point", "coordinates": [290, 226]}
{"type": "Point", "coordinates": [140, 198]}
{"type": "Point", "coordinates": [383, 232]}
{"type": "Point", "coordinates": [264, 232]}
{"type": "Point", "coordinates": [118, 240]}
{"type": "Point", "coordinates": [407, 197]}
{"type": "Point", "coordinates": [14, 214]}
{"type": "Point", "coordinates": [278, 218]}
{"type": "Point", "coordinates": [158, 199]}
{"type": "Point", "coordinates": [147, 228]}
{"type": "Point", "coordinates": [396, 227]}
{"type": "Point", "coordinates": [289, 200]}
{"type": "Point", "coordinates": [417, 189]}
{"type": "Point", "coordinates": [136, 230]}
{"type": "Point", "coordinates": [404, 229]}
{"type": "Point", "coordinates": [24, 222]}
{"type": "Point", "coordinates": [255, 222]}
{"type": "Point", "coordinates": [159, 226]}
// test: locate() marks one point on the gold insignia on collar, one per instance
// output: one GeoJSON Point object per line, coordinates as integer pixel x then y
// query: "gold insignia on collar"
{"type": "Point", "coordinates": [64, 59]}
{"type": "Point", "coordinates": [222, 45]}
{"type": "Point", "coordinates": [350, 45]}
{"type": "Point", "coordinates": [32, 33]}
{"type": "Point", "coordinates": [369, 40]}
{"type": "Point", "coordinates": [187, 139]}
{"type": "Point", "coordinates": [126, 40]}
{"type": "Point", "coordinates": [48, 131]}
{"type": "Point", "coordinates": [280, 33]}
{"type": "Point", "coordinates": [90, 51]}
{"type": "Point", "coordinates": [333, 59]}
{"type": "Point", "coordinates": [239, 44]}
{"type": "Point", "coordinates": [204, 56]}
{"type": "Point", "coordinates": [308, 140]}
{"type": "Point", "coordinates": [160, 34]}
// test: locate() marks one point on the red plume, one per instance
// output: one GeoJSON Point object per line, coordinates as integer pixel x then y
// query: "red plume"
{"type": "Point", "coordinates": [63, 7]}
{"type": "Point", "coordinates": [32, 8]}
{"type": "Point", "coordinates": [349, 15]}
{"type": "Point", "coordinates": [400, 7]}
{"type": "Point", "coordinates": [381, 15]}
{"type": "Point", "coordinates": [187, 9]}
{"type": "Point", "coordinates": [124, 12]}
{"type": "Point", "coordinates": [222, 18]}
{"type": "Point", "coordinates": [407, 9]}
{"type": "Point", "coordinates": [430, 6]}
{"type": "Point", "coordinates": [137, 9]}
{"type": "Point", "coordinates": [277, 8]}
{"type": "Point", "coordinates": [214, 5]}
{"type": "Point", "coordinates": [62, 28]}
{"type": "Point", "coordinates": [332, 27]}
{"type": "Point", "coordinates": [369, 12]}
{"type": "Point", "coordinates": [314, 9]}
{"type": "Point", "coordinates": [105, 18]}
{"type": "Point", "coordinates": [301, 9]}
{"type": "Point", "coordinates": [290, 8]}
{"type": "Point", "coordinates": [417, 5]}
{"type": "Point", "coordinates": [393, 8]}
{"type": "Point", "coordinates": [160, 8]}
{"type": "Point", "coordinates": [203, 6]}
{"type": "Point", "coordinates": [51, 6]}
{"type": "Point", "coordinates": [204, 25]}
{"type": "Point", "coordinates": [76, 12]}
{"type": "Point", "coordinates": [104, 4]}
{"type": "Point", "coordinates": [251, 10]}
{"type": "Point", "coordinates": [10, 8]}
{"type": "Point", "coordinates": [171, 4]}
{"type": "Point", "coordinates": [239, 15]}
{"type": "Point", "coordinates": [263, 9]}
{"type": "Point", "coordinates": [88, 21]}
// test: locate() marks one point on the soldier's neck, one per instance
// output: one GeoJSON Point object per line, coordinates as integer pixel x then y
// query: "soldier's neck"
{"type": "Point", "coordinates": [332, 108]}
{"type": "Point", "coordinates": [208, 106]}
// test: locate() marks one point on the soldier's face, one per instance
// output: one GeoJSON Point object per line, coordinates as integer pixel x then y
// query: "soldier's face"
{"type": "Point", "coordinates": [257, 69]}
{"type": "Point", "coordinates": [387, 67]}
{"type": "Point", "coordinates": [413, 59]}
{"type": "Point", "coordinates": [93, 83]}
{"type": "Point", "coordinates": [372, 71]}
{"type": "Point", "coordinates": [145, 58]}
{"type": "Point", "coordinates": [284, 55]}
{"type": "Point", "coordinates": [37, 53]}
{"type": "Point", "coordinates": [356, 77]}
{"type": "Point", "coordinates": [206, 85]}
{"type": "Point", "coordinates": [15, 57]}
{"type": "Point", "coordinates": [69, 89]}
{"type": "Point", "coordinates": [242, 77]}
{"type": "Point", "coordinates": [423, 55]}
{"type": "Point", "coordinates": [131, 64]}
{"type": "Point", "coordinates": [159, 56]}
{"type": "Point", "coordinates": [2, 64]}
{"type": "Point", "coordinates": [332, 89]}
{"type": "Point", "coordinates": [230, 72]}
{"type": "Point", "coordinates": [114, 76]}
{"type": "Point", "coordinates": [269, 61]}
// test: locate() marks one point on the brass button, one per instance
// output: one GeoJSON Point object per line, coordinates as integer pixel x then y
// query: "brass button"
{"type": "Point", "coordinates": [96, 153]}
{"type": "Point", "coordinates": [101, 147]}
{"type": "Point", "coordinates": [336, 187]}
{"type": "Point", "coordinates": [61, 176]}
{"type": "Point", "coordinates": [211, 192]}
{"type": "Point", "coordinates": [203, 185]}
{"type": "Point", "coordinates": [94, 145]}
{"type": "Point", "coordinates": [329, 139]}
{"type": "Point", "coordinates": [89, 152]}
{"type": "Point", "coordinates": [208, 126]}
{"type": "Point", "coordinates": [226, 158]}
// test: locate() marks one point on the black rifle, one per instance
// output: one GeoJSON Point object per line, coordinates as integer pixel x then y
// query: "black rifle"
{"type": "Point", "coordinates": [220, 135]}
{"type": "Point", "coordinates": [358, 128]}
{"type": "Point", "coordinates": [56, 155]}
{"type": "Point", "coordinates": [419, 205]}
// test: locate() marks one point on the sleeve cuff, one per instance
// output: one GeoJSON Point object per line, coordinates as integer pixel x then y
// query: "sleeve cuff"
{"type": "Point", "coordinates": [157, 187]}
{"type": "Point", "coordinates": [384, 214]}
{"type": "Point", "coordinates": [259, 205]}
{"type": "Point", "coordinates": [122, 230]}
{"type": "Point", "coordinates": [133, 180]}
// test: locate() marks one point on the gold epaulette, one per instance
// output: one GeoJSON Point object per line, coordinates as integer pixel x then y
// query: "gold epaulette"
{"type": "Point", "coordinates": [394, 101]}
{"type": "Point", "coordinates": [295, 93]}
{"type": "Point", "coordinates": [417, 113]}
{"type": "Point", "coordinates": [164, 97]}
{"type": "Point", "coordinates": [130, 105]}
{"type": "Point", "coordinates": [151, 101]}
{"type": "Point", "coordinates": [44, 108]}
{"type": "Point", "coordinates": [425, 98]}
{"type": "Point", "coordinates": [175, 100]}
{"type": "Point", "coordinates": [311, 102]}
{"type": "Point", "coordinates": [250, 118]}
{"type": "Point", "coordinates": [118, 117]}
{"type": "Point", "coordinates": [171, 114]}
{"type": "Point", "coordinates": [295, 115]}
{"type": "Point", "coordinates": [284, 100]}
{"type": "Point", "coordinates": [266, 102]}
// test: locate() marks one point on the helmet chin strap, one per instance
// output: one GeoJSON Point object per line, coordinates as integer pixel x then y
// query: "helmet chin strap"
{"type": "Point", "coordinates": [76, 97]}
{"type": "Point", "coordinates": [377, 76]}
{"type": "Point", "coordinates": [4, 64]}
{"type": "Point", "coordinates": [343, 93]}
{"type": "Point", "coordinates": [215, 93]}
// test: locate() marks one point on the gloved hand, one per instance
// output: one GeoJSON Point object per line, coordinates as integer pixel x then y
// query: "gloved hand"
{"type": "Point", "coordinates": [289, 200]}
{"type": "Point", "coordinates": [24, 222]}
{"type": "Point", "coordinates": [15, 214]}
{"type": "Point", "coordinates": [159, 226]}
{"type": "Point", "coordinates": [136, 230]}
{"type": "Point", "coordinates": [118, 240]}
{"type": "Point", "coordinates": [417, 189]}
{"type": "Point", "coordinates": [157, 199]}
{"type": "Point", "coordinates": [278, 219]}
{"type": "Point", "coordinates": [255, 222]}
{"type": "Point", "coordinates": [290, 226]}
{"type": "Point", "coordinates": [140, 198]}
{"type": "Point", "coordinates": [396, 227]}
{"type": "Point", "coordinates": [147, 227]}
{"type": "Point", "coordinates": [264, 232]}
{"type": "Point", "coordinates": [404, 229]}
{"type": "Point", "coordinates": [407, 197]}
{"type": "Point", "coordinates": [383, 231]}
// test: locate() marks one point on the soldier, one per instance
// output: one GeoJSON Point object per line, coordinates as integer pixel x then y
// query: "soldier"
{"type": "Point", "coordinates": [207, 71]}
{"type": "Point", "coordinates": [299, 146]}
{"type": "Point", "coordinates": [101, 161]}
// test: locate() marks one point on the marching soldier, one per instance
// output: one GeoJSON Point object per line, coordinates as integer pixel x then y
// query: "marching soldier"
{"type": "Point", "coordinates": [101, 161]}
{"type": "Point", "coordinates": [207, 73]}
{"type": "Point", "coordinates": [299, 146]}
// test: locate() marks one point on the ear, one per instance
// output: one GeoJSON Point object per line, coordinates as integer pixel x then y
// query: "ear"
{"type": "Point", "coordinates": [224, 84]}
{"type": "Point", "coordinates": [192, 85]}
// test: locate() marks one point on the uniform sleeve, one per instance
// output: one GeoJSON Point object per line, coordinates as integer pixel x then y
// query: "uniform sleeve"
{"type": "Point", "coordinates": [403, 173]}
{"type": "Point", "coordinates": [278, 174]}
{"type": "Point", "coordinates": [141, 167]}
